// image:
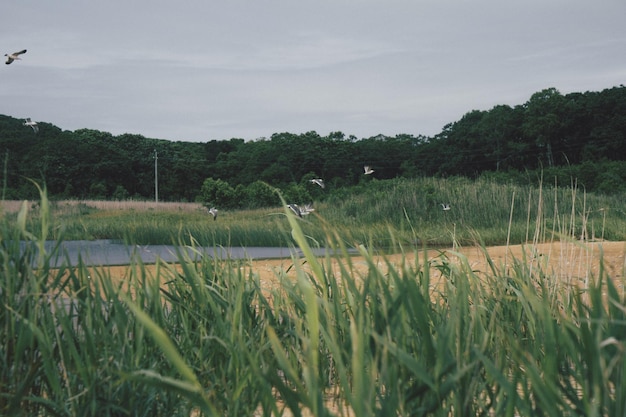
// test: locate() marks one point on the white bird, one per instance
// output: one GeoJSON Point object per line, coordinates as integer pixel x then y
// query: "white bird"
{"type": "Point", "coordinates": [213, 212]}
{"type": "Point", "coordinates": [14, 56]}
{"type": "Point", "coordinates": [308, 209]}
{"type": "Point", "coordinates": [295, 209]}
{"type": "Point", "coordinates": [445, 207]}
{"type": "Point", "coordinates": [367, 170]}
{"type": "Point", "coordinates": [318, 181]}
{"type": "Point", "coordinates": [33, 125]}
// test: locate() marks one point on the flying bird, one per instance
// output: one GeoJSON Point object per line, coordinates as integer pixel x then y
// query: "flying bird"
{"type": "Point", "coordinates": [445, 207]}
{"type": "Point", "coordinates": [318, 181]}
{"type": "Point", "coordinates": [308, 209]}
{"type": "Point", "coordinates": [14, 56]}
{"type": "Point", "coordinates": [367, 170]}
{"type": "Point", "coordinates": [295, 209]}
{"type": "Point", "coordinates": [33, 125]}
{"type": "Point", "coordinates": [213, 212]}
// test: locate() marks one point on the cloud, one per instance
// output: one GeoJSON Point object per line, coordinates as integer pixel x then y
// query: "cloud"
{"type": "Point", "coordinates": [249, 69]}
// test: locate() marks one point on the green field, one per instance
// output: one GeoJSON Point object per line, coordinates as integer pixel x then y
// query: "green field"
{"type": "Point", "coordinates": [209, 340]}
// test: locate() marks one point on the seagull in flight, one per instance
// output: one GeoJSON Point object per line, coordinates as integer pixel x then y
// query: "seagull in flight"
{"type": "Point", "coordinates": [296, 210]}
{"type": "Point", "coordinates": [14, 56]}
{"type": "Point", "coordinates": [213, 212]}
{"type": "Point", "coordinates": [367, 170]}
{"type": "Point", "coordinates": [28, 122]}
{"type": "Point", "coordinates": [318, 181]}
{"type": "Point", "coordinates": [445, 207]}
{"type": "Point", "coordinates": [308, 209]}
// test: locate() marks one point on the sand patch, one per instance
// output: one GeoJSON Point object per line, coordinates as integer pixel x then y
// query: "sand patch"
{"type": "Point", "coordinates": [573, 261]}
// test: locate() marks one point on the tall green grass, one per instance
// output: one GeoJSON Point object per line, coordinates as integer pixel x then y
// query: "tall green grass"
{"type": "Point", "coordinates": [407, 209]}
{"type": "Point", "coordinates": [492, 210]}
{"type": "Point", "coordinates": [430, 336]}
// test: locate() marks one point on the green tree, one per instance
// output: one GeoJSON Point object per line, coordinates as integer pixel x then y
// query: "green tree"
{"type": "Point", "coordinates": [98, 190]}
{"type": "Point", "coordinates": [296, 194]}
{"type": "Point", "coordinates": [258, 194]}
{"type": "Point", "coordinates": [120, 193]}
{"type": "Point", "coordinates": [217, 193]}
{"type": "Point", "coordinates": [543, 121]}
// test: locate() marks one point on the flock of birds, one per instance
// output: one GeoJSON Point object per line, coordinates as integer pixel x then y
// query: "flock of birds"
{"type": "Point", "coordinates": [15, 56]}
{"type": "Point", "coordinates": [307, 209]}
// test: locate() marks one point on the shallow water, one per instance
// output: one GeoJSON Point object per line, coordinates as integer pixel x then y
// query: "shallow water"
{"type": "Point", "coordinates": [109, 252]}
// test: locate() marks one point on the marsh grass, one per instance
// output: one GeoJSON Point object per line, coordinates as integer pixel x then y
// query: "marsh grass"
{"type": "Point", "coordinates": [379, 212]}
{"type": "Point", "coordinates": [431, 336]}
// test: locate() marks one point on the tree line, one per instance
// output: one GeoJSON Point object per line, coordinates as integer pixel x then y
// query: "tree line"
{"type": "Point", "coordinates": [579, 135]}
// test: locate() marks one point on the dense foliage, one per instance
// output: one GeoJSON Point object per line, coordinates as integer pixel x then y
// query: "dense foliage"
{"type": "Point", "coordinates": [577, 135]}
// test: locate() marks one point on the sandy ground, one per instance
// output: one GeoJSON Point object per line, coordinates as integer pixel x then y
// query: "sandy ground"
{"type": "Point", "coordinates": [573, 261]}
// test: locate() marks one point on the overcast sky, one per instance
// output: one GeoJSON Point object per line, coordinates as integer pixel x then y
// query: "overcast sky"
{"type": "Point", "coordinates": [203, 70]}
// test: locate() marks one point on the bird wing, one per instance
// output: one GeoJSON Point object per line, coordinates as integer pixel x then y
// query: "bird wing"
{"type": "Point", "coordinates": [318, 181]}
{"type": "Point", "coordinates": [295, 209]}
{"type": "Point", "coordinates": [13, 56]}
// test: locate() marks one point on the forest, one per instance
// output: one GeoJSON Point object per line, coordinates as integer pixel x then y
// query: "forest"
{"type": "Point", "coordinates": [560, 137]}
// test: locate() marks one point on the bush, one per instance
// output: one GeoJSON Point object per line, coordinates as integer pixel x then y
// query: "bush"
{"type": "Point", "coordinates": [258, 195]}
{"type": "Point", "coordinates": [217, 193]}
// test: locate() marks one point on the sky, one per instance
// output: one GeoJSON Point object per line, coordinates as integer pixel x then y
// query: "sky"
{"type": "Point", "coordinates": [210, 70]}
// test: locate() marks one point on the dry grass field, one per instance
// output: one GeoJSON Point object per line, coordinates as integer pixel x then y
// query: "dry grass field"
{"type": "Point", "coordinates": [13, 206]}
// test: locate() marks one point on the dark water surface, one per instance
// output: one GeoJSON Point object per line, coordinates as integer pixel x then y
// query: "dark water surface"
{"type": "Point", "coordinates": [109, 252]}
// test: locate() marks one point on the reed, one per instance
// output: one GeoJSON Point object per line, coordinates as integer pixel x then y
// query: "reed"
{"type": "Point", "coordinates": [430, 336]}
{"type": "Point", "coordinates": [408, 210]}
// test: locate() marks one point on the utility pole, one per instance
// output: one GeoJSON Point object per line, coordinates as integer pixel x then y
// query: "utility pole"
{"type": "Point", "coordinates": [156, 178]}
